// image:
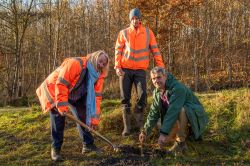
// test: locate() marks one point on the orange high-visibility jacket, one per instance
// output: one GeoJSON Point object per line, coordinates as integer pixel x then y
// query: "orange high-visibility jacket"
{"type": "Point", "coordinates": [55, 90]}
{"type": "Point", "coordinates": [133, 47]}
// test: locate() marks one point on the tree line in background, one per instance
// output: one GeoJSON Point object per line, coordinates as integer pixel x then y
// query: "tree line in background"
{"type": "Point", "coordinates": [204, 43]}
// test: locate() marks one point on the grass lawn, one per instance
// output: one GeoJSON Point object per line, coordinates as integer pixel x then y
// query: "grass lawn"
{"type": "Point", "coordinates": [25, 137]}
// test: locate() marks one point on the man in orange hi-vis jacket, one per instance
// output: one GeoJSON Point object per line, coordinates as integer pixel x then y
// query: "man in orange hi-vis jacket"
{"type": "Point", "coordinates": [76, 84]}
{"type": "Point", "coordinates": [132, 50]}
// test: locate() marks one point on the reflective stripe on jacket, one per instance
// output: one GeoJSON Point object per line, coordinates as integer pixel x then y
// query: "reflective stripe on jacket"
{"type": "Point", "coordinates": [55, 90]}
{"type": "Point", "coordinates": [133, 47]}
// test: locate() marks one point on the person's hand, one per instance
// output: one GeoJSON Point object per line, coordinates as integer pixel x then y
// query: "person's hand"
{"type": "Point", "coordinates": [162, 140]}
{"type": "Point", "coordinates": [94, 126]}
{"type": "Point", "coordinates": [142, 137]}
{"type": "Point", "coordinates": [119, 72]}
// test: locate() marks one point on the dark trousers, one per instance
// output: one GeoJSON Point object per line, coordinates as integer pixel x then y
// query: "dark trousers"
{"type": "Point", "coordinates": [58, 124]}
{"type": "Point", "coordinates": [138, 78]}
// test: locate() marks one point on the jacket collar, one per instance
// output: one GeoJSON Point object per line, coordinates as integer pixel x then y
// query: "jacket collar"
{"type": "Point", "coordinates": [170, 81]}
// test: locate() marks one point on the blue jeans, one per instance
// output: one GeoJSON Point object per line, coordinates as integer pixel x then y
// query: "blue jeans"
{"type": "Point", "coordinates": [58, 124]}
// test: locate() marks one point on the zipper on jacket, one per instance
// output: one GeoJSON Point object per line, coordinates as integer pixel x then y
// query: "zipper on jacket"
{"type": "Point", "coordinates": [135, 45]}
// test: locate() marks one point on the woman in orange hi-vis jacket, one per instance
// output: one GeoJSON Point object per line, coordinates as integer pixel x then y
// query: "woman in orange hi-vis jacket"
{"type": "Point", "coordinates": [78, 84]}
{"type": "Point", "coordinates": [132, 50]}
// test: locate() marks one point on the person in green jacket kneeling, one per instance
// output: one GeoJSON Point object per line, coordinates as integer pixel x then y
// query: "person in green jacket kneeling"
{"type": "Point", "coordinates": [179, 110]}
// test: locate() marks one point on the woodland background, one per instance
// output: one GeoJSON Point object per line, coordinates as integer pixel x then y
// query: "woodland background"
{"type": "Point", "coordinates": [204, 43]}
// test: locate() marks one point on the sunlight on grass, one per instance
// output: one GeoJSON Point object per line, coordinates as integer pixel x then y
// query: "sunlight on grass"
{"type": "Point", "coordinates": [25, 134]}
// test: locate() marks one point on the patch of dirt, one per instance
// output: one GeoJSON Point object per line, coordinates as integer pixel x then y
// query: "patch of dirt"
{"type": "Point", "coordinates": [247, 144]}
{"type": "Point", "coordinates": [129, 155]}
{"type": "Point", "coordinates": [125, 161]}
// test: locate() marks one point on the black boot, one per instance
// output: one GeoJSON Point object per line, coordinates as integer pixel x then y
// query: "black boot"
{"type": "Point", "coordinates": [126, 115]}
{"type": "Point", "coordinates": [90, 148]}
{"type": "Point", "coordinates": [55, 154]}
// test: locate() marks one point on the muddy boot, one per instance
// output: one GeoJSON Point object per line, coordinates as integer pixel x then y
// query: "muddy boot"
{"type": "Point", "coordinates": [126, 115]}
{"type": "Point", "coordinates": [178, 148]}
{"type": "Point", "coordinates": [138, 113]}
{"type": "Point", "coordinates": [55, 155]}
{"type": "Point", "coordinates": [90, 148]}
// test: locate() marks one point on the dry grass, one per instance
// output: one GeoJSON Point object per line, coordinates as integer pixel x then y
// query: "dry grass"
{"type": "Point", "coordinates": [25, 136]}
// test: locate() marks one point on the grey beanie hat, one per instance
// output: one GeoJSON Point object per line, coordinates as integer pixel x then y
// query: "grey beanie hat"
{"type": "Point", "coordinates": [134, 12]}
